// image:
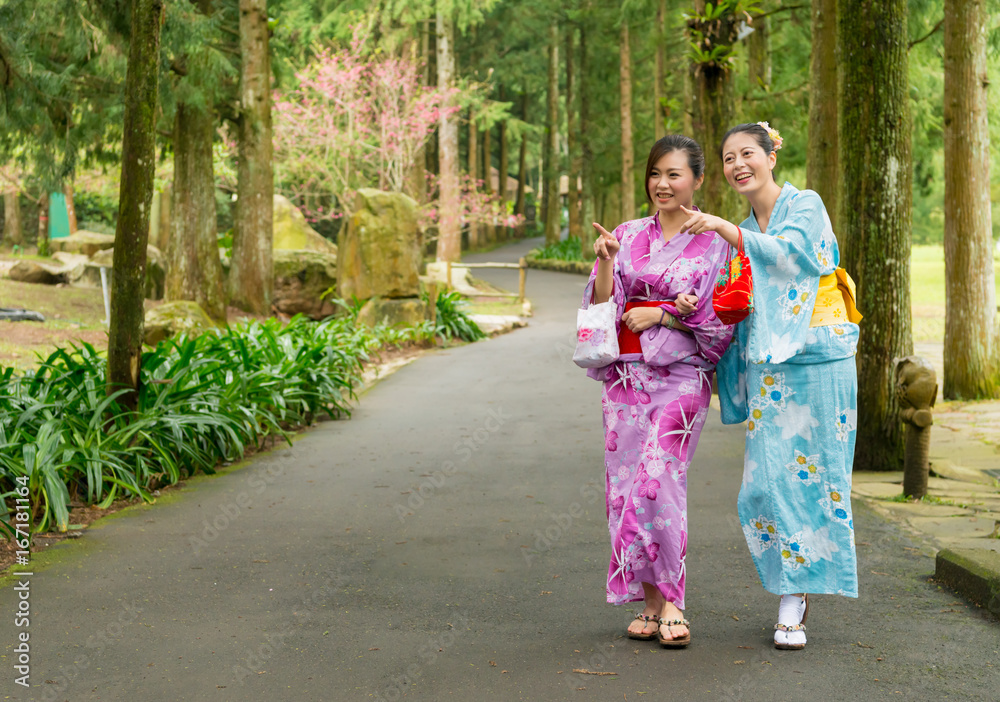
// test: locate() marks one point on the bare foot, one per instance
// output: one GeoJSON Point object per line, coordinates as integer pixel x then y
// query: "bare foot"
{"type": "Point", "coordinates": [654, 605]}
{"type": "Point", "coordinates": [647, 626]}
{"type": "Point", "coordinates": [668, 612]}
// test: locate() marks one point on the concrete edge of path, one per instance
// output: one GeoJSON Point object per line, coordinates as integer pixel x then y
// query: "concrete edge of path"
{"type": "Point", "coordinates": [973, 573]}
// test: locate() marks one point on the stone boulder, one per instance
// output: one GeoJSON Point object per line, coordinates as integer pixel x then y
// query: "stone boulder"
{"type": "Point", "coordinates": [69, 259]}
{"type": "Point", "coordinates": [407, 312]}
{"type": "Point", "coordinates": [300, 279]}
{"type": "Point", "coordinates": [40, 272]}
{"type": "Point", "coordinates": [379, 253]}
{"type": "Point", "coordinates": [87, 274]}
{"type": "Point", "coordinates": [172, 318]}
{"type": "Point", "coordinates": [293, 233]}
{"type": "Point", "coordinates": [83, 242]}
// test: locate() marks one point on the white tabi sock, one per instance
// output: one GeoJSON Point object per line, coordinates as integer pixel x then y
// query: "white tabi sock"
{"type": "Point", "coordinates": [790, 613]}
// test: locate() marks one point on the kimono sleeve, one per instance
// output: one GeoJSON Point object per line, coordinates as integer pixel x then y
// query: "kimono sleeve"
{"type": "Point", "coordinates": [710, 334]}
{"type": "Point", "coordinates": [787, 263]}
{"type": "Point", "coordinates": [617, 294]}
{"type": "Point", "coordinates": [732, 378]}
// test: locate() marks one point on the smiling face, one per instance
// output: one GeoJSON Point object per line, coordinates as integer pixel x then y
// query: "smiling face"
{"type": "Point", "coordinates": [745, 163]}
{"type": "Point", "coordinates": [672, 183]}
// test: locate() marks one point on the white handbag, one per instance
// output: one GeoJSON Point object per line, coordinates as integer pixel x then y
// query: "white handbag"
{"type": "Point", "coordinates": [596, 335]}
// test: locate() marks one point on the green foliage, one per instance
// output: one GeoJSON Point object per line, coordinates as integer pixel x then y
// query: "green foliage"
{"type": "Point", "coordinates": [202, 401]}
{"type": "Point", "coordinates": [714, 32]}
{"type": "Point", "coordinates": [60, 97]}
{"type": "Point", "coordinates": [452, 322]}
{"type": "Point", "coordinates": [565, 250]}
{"type": "Point", "coordinates": [96, 207]}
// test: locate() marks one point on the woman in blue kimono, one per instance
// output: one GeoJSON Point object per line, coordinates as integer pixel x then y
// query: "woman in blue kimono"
{"type": "Point", "coordinates": [790, 375]}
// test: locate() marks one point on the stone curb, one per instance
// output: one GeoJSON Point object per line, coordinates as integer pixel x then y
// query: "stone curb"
{"type": "Point", "coordinates": [552, 264]}
{"type": "Point", "coordinates": [973, 573]}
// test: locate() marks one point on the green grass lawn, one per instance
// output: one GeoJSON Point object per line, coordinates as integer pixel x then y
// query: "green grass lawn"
{"type": "Point", "coordinates": [927, 292]}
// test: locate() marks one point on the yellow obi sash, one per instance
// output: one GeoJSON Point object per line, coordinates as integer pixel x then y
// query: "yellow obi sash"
{"type": "Point", "coordinates": [835, 301]}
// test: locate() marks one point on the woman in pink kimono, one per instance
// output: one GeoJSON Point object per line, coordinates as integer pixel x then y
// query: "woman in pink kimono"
{"type": "Point", "coordinates": [656, 394]}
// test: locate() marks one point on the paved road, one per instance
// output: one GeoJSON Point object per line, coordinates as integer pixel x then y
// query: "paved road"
{"type": "Point", "coordinates": [449, 542]}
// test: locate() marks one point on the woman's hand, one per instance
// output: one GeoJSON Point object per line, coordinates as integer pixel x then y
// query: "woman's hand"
{"type": "Point", "coordinates": [606, 245]}
{"type": "Point", "coordinates": [701, 222]}
{"type": "Point", "coordinates": [686, 303]}
{"type": "Point", "coordinates": [639, 319]}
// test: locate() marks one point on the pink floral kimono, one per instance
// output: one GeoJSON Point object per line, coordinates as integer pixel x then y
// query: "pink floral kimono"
{"type": "Point", "coordinates": [655, 404]}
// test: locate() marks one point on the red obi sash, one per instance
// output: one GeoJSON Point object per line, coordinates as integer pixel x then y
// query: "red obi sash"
{"type": "Point", "coordinates": [628, 341]}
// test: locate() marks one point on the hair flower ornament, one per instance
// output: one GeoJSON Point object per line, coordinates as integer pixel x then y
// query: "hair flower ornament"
{"type": "Point", "coordinates": [773, 133]}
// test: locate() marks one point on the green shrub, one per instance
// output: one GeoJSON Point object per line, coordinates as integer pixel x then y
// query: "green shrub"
{"type": "Point", "coordinates": [452, 322]}
{"type": "Point", "coordinates": [566, 250]}
{"type": "Point", "coordinates": [96, 208]}
{"type": "Point", "coordinates": [202, 401]}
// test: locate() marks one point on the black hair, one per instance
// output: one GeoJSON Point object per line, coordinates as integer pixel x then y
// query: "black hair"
{"type": "Point", "coordinates": [669, 144]}
{"type": "Point", "coordinates": [759, 134]}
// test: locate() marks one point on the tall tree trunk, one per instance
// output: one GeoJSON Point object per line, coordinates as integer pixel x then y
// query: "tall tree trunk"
{"type": "Point", "coordinates": [553, 212]}
{"type": "Point", "coordinates": [474, 227]}
{"type": "Point", "coordinates": [135, 197]}
{"type": "Point", "coordinates": [714, 114]}
{"type": "Point", "coordinates": [194, 271]}
{"type": "Point", "coordinates": [251, 273]}
{"type": "Point", "coordinates": [417, 185]}
{"type": "Point", "coordinates": [501, 231]}
{"type": "Point", "coordinates": [689, 79]}
{"type": "Point", "coordinates": [628, 150]}
{"type": "Point", "coordinates": [70, 208]}
{"type": "Point", "coordinates": [488, 229]}
{"type": "Point", "coordinates": [759, 54]}
{"type": "Point", "coordinates": [449, 244]}
{"type": "Point", "coordinates": [166, 208]}
{"type": "Point", "coordinates": [572, 144]}
{"type": "Point", "coordinates": [42, 241]}
{"type": "Point", "coordinates": [522, 159]}
{"type": "Point", "coordinates": [821, 158]}
{"type": "Point", "coordinates": [971, 343]}
{"type": "Point", "coordinates": [12, 233]}
{"type": "Point", "coordinates": [587, 213]}
{"type": "Point", "coordinates": [875, 210]}
{"type": "Point", "coordinates": [660, 74]}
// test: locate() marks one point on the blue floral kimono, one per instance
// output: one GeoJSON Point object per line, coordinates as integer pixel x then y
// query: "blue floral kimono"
{"type": "Point", "coordinates": [795, 386]}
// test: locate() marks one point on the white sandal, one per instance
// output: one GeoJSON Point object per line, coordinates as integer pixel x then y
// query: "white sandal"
{"type": "Point", "coordinates": [791, 637]}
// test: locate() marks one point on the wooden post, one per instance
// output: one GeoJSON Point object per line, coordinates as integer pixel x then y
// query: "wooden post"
{"type": "Point", "coordinates": [449, 276]}
{"type": "Point", "coordinates": [522, 278]}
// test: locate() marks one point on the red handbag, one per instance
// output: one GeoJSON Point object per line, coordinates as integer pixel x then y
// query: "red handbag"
{"type": "Point", "coordinates": [733, 296]}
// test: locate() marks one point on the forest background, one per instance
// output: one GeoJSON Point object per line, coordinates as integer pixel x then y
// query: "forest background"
{"type": "Point", "coordinates": [501, 54]}
{"type": "Point", "coordinates": [561, 99]}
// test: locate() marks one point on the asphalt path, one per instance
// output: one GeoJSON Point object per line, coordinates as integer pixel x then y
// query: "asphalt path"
{"type": "Point", "coordinates": [449, 541]}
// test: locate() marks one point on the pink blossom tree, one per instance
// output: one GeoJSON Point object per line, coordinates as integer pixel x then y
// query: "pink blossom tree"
{"type": "Point", "coordinates": [353, 120]}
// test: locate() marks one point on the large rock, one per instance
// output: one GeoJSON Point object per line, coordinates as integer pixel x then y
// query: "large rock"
{"type": "Point", "coordinates": [379, 253]}
{"type": "Point", "coordinates": [293, 233]}
{"type": "Point", "coordinates": [406, 312]}
{"type": "Point", "coordinates": [41, 272]}
{"type": "Point", "coordinates": [71, 260]}
{"type": "Point", "coordinates": [87, 274]}
{"type": "Point", "coordinates": [300, 280]}
{"type": "Point", "coordinates": [83, 242]}
{"type": "Point", "coordinates": [172, 318]}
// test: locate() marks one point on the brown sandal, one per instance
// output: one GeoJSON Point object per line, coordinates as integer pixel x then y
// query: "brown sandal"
{"type": "Point", "coordinates": [679, 642]}
{"type": "Point", "coordinates": [646, 619]}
